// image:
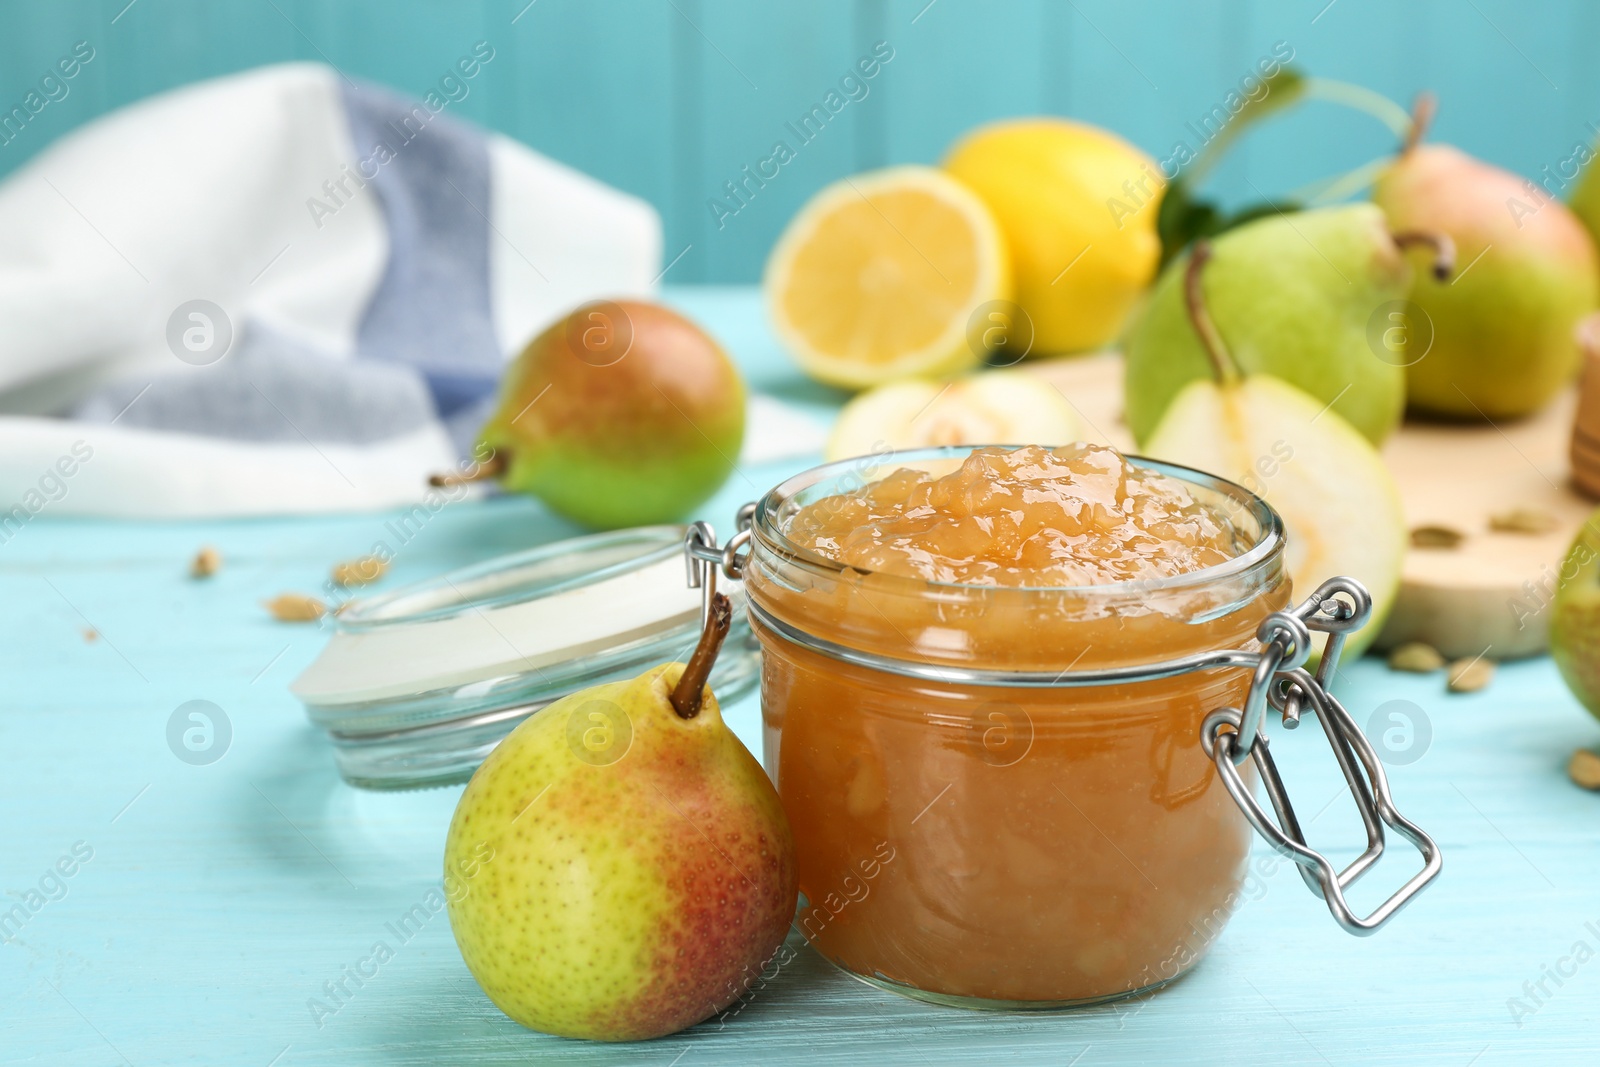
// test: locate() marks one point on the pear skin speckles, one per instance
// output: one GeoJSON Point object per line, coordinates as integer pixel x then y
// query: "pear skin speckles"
{"type": "Point", "coordinates": [618, 895]}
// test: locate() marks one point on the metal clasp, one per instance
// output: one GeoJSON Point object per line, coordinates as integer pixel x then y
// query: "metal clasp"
{"type": "Point", "coordinates": [703, 557]}
{"type": "Point", "coordinates": [1280, 680]}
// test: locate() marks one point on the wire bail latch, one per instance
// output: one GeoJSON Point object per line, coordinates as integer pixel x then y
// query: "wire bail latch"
{"type": "Point", "coordinates": [704, 558]}
{"type": "Point", "coordinates": [1280, 680]}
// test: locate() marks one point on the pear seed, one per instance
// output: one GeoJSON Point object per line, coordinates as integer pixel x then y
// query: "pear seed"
{"type": "Point", "coordinates": [1436, 537]}
{"type": "Point", "coordinates": [207, 562]}
{"type": "Point", "coordinates": [295, 607]}
{"type": "Point", "coordinates": [1522, 520]}
{"type": "Point", "coordinates": [1470, 675]}
{"type": "Point", "coordinates": [1584, 769]}
{"type": "Point", "coordinates": [1415, 657]}
{"type": "Point", "coordinates": [363, 571]}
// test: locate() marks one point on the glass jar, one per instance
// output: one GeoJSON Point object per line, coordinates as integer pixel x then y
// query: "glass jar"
{"type": "Point", "coordinates": [1000, 796]}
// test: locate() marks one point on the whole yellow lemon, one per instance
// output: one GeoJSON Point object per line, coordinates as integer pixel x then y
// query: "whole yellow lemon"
{"type": "Point", "coordinates": [1077, 206]}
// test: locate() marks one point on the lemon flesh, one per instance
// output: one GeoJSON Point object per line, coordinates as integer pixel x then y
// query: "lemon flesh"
{"type": "Point", "coordinates": [878, 276]}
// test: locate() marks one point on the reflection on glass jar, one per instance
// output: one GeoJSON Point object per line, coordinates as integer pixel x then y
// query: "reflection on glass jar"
{"type": "Point", "coordinates": [974, 824]}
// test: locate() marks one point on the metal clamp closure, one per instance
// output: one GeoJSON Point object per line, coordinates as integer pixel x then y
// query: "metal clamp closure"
{"type": "Point", "coordinates": [704, 557]}
{"type": "Point", "coordinates": [1280, 680]}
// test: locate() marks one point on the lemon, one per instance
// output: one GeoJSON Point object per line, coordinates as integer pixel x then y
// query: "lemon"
{"type": "Point", "coordinates": [1078, 208]}
{"type": "Point", "coordinates": [878, 275]}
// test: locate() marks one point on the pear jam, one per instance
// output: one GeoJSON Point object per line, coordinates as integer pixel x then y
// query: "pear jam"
{"type": "Point", "coordinates": [1033, 516]}
{"type": "Point", "coordinates": [1042, 844]}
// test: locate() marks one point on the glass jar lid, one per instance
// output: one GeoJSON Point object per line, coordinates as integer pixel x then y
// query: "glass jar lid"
{"type": "Point", "coordinates": [417, 686]}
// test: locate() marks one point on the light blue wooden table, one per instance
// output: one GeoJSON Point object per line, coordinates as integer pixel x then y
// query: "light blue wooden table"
{"type": "Point", "coordinates": [218, 900]}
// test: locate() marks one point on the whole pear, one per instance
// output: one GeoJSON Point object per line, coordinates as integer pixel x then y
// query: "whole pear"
{"type": "Point", "coordinates": [1503, 325]}
{"type": "Point", "coordinates": [620, 867]}
{"type": "Point", "coordinates": [1293, 294]}
{"type": "Point", "coordinates": [1575, 617]}
{"type": "Point", "coordinates": [1585, 202]}
{"type": "Point", "coordinates": [623, 413]}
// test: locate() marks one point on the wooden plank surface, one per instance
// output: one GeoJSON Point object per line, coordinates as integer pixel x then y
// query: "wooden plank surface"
{"type": "Point", "coordinates": [641, 93]}
{"type": "Point", "coordinates": [931, 47]}
{"type": "Point", "coordinates": [753, 94]}
{"type": "Point", "coordinates": [219, 899]}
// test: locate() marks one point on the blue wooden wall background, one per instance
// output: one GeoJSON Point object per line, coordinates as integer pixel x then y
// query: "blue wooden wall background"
{"type": "Point", "coordinates": [669, 98]}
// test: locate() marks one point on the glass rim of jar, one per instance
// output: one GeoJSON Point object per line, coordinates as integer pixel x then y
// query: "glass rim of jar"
{"type": "Point", "coordinates": [768, 531]}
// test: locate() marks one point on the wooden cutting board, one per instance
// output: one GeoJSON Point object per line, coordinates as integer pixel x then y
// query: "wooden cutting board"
{"type": "Point", "coordinates": [1490, 594]}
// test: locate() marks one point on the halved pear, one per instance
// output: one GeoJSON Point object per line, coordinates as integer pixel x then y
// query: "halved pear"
{"type": "Point", "coordinates": [1338, 501]}
{"type": "Point", "coordinates": [997, 407]}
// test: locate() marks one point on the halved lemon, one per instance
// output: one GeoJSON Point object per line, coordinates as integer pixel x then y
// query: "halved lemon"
{"type": "Point", "coordinates": [877, 277]}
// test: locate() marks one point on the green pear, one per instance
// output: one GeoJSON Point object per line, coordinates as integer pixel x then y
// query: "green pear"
{"type": "Point", "coordinates": [620, 867]}
{"type": "Point", "coordinates": [1575, 617]}
{"type": "Point", "coordinates": [1294, 294]}
{"type": "Point", "coordinates": [621, 414]}
{"type": "Point", "coordinates": [1585, 202]}
{"type": "Point", "coordinates": [1339, 503]}
{"type": "Point", "coordinates": [1503, 327]}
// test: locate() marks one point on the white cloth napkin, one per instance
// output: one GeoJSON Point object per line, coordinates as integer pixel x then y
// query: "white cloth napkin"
{"type": "Point", "coordinates": [280, 292]}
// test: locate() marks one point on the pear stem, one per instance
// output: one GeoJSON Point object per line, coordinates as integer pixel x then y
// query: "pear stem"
{"type": "Point", "coordinates": [1444, 249]}
{"type": "Point", "coordinates": [483, 471]}
{"type": "Point", "coordinates": [691, 687]}
{"type": "Point", "coordinates": [1194, 300]}
{"type": "Point", "coordinates": [1422, 111]}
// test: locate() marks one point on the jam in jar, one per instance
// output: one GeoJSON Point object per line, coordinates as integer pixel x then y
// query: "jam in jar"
{"type": "Point", "coordinates": [975, 824]}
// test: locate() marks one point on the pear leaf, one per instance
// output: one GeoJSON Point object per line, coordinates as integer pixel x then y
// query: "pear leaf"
{"type": "Point", "coordinates": [1184, 216]}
